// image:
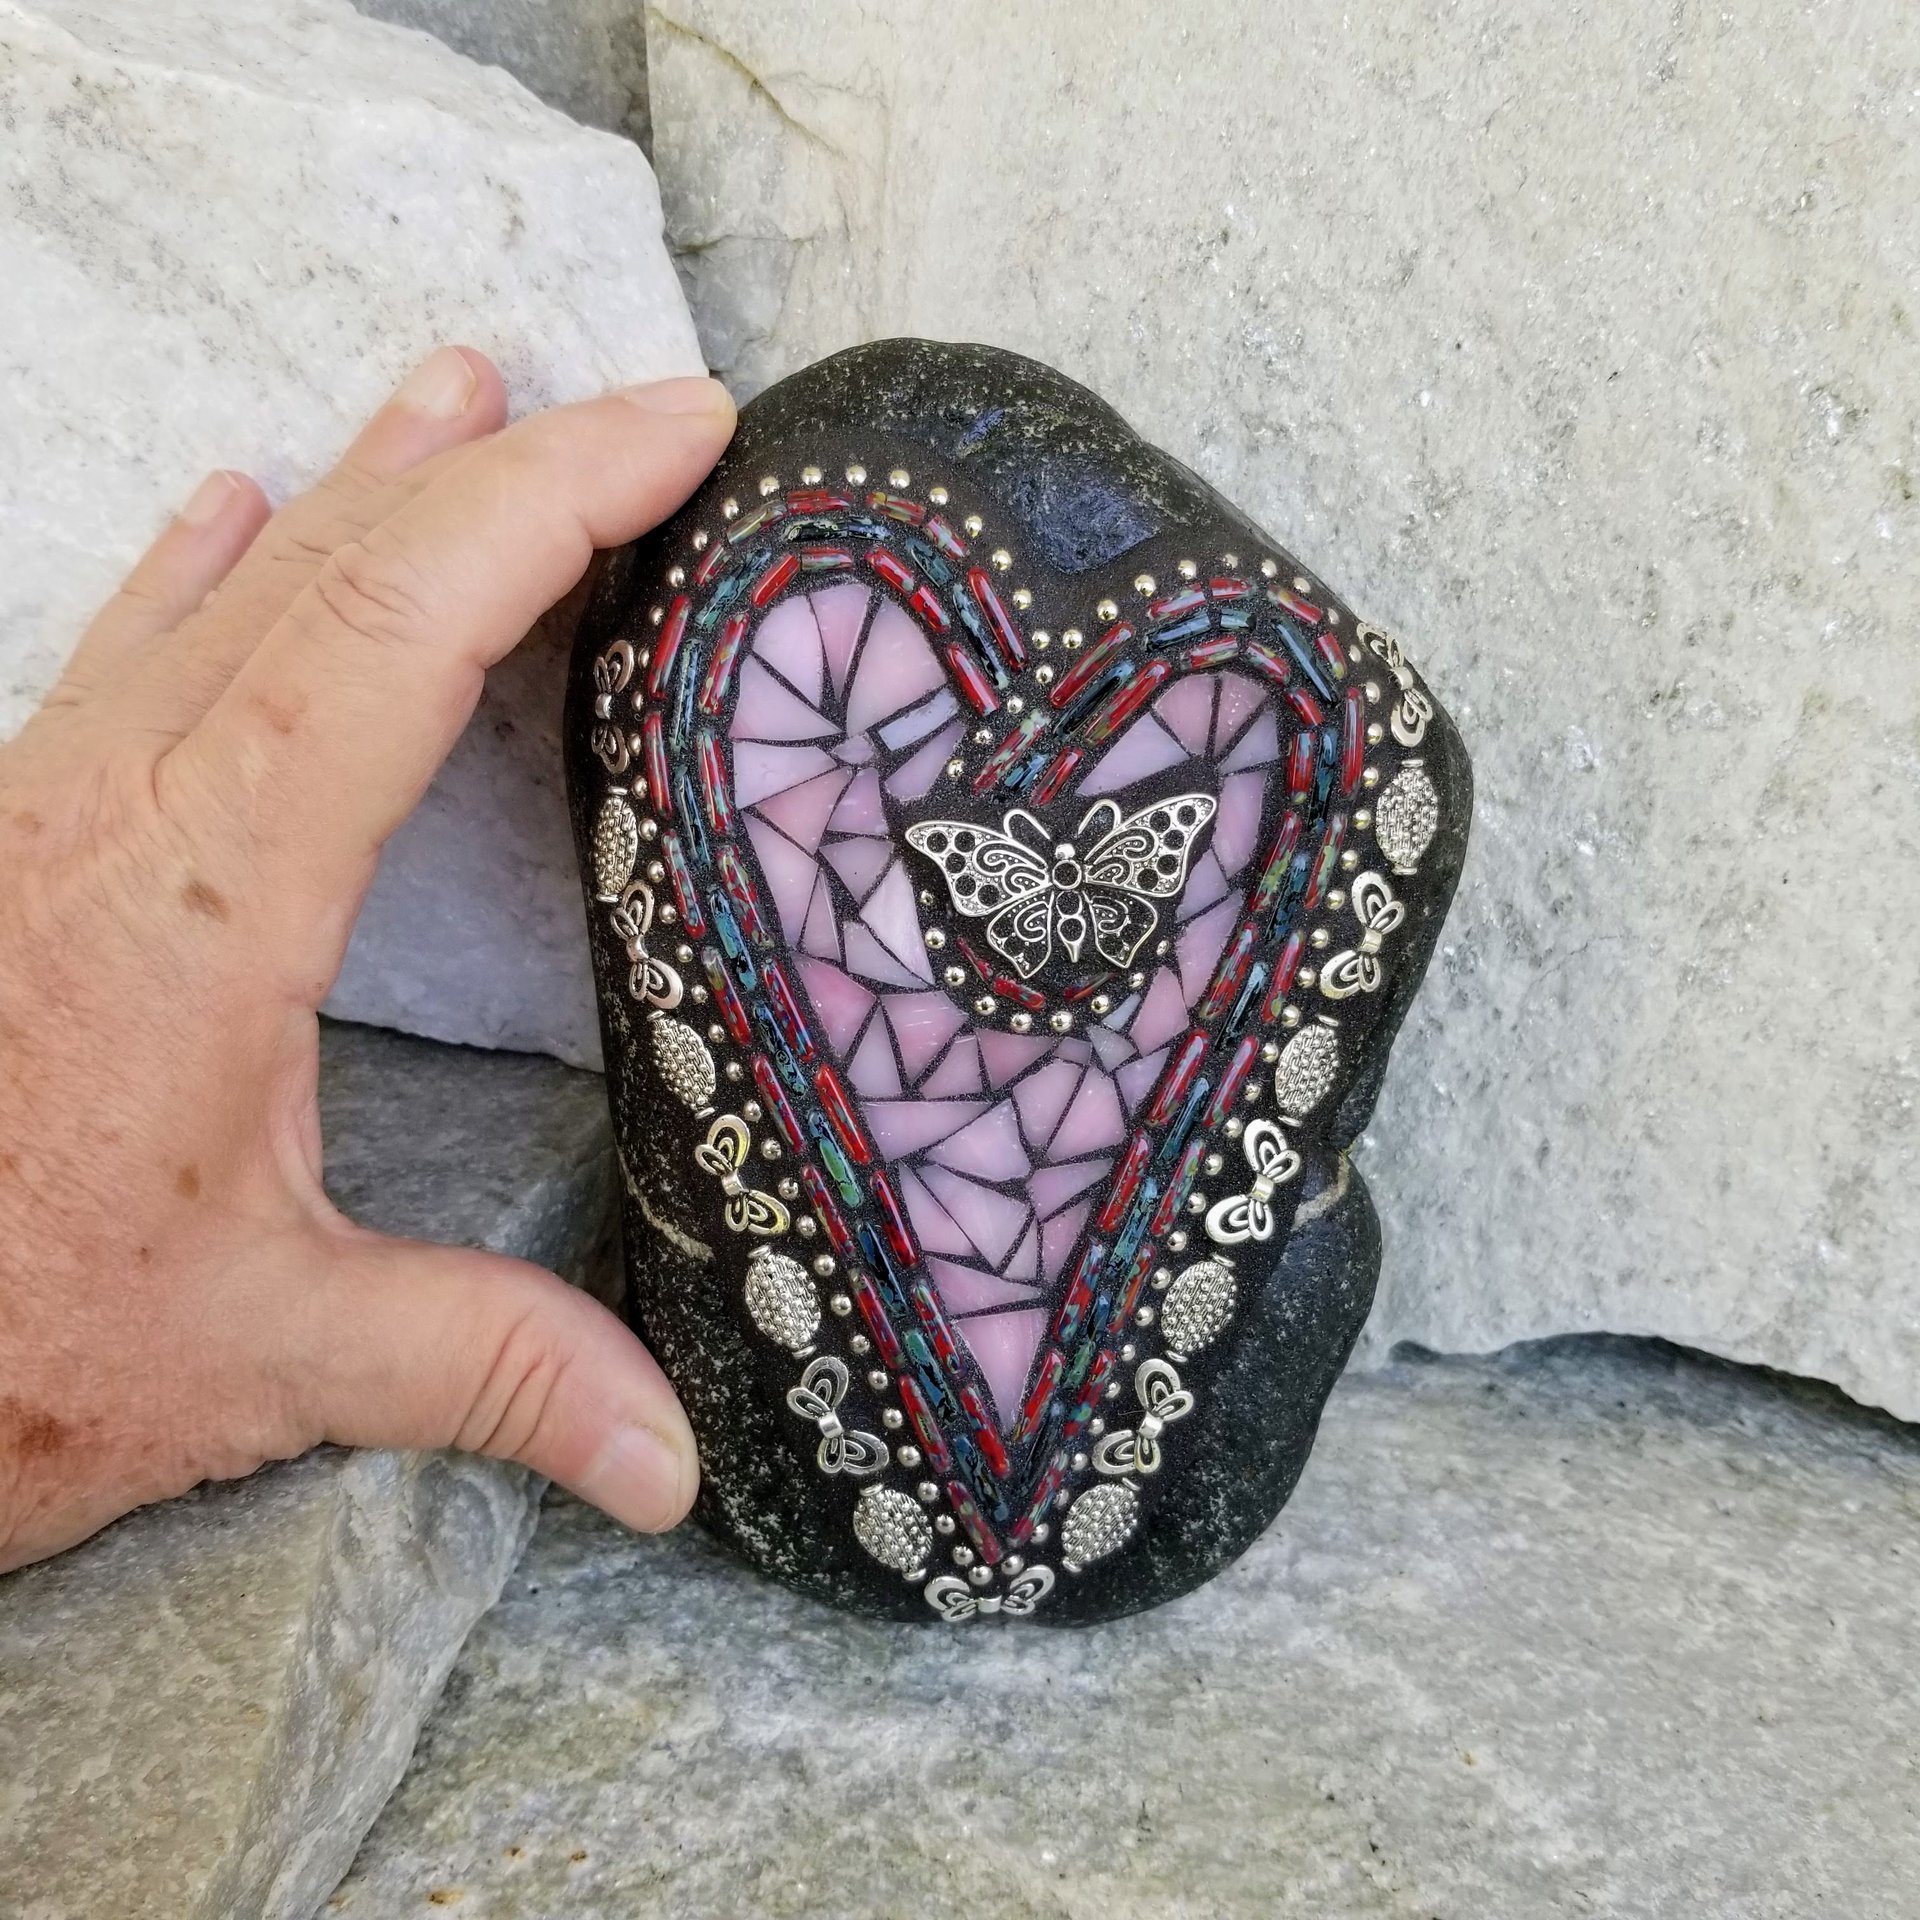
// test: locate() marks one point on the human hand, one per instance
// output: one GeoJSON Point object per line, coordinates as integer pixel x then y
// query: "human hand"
{"type": "Point", "coordinates": [187, 830]}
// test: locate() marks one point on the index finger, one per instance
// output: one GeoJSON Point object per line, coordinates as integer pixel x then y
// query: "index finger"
{"type": "Point", "coordinates": [325, 739]}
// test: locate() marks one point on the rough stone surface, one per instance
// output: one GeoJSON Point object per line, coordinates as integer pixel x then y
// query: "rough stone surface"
{"type": "Point", "coordinates": [1595, 1630]}
{"type": "Point", "coordinates": [203, 1708]}
{"type": "Point", "coordinates": [225, 231]}
{"type": "Point", "coordinates": [586, 57]}
{"type": "Point", "coordinates": [1582, 351]}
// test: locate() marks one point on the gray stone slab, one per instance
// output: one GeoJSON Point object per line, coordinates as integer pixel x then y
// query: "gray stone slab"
{"type": "Point", "coordinates": [1595, 1630]}
{"type": "Point", "coordinates": [1578, 346]}
{"type": "Point", "coordinates": [203, 1707]}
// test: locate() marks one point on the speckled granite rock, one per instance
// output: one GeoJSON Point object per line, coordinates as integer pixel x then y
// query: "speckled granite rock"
{"type": "Point", "coordinates": [1579, 348]}
{"type": "Point", "coordinates": [202, 1708]}
{"type": "Point", "coordinates": [226, 228]}
{"type": "Point", "coordinates": [1582, 1633]}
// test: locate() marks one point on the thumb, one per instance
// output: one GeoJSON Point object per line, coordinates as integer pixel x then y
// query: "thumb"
{"type": "Point", "coordinates": [428, 1346]}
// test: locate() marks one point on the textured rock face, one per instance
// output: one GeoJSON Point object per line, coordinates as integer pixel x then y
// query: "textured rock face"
{"type": "Point", "coordinates": [203, 1708]}
{"type": "Point", "coordinates": [225, 230]}
{"type": "Point", "coordinates": [1008, 873]}
{"type": "Point", "coordinates": [1552, 1637]}
{"type": "Point", "coordinates": [1583, 360]}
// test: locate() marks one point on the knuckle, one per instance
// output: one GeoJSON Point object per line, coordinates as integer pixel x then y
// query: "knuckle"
{"type": "Point", "coordinates": [372, 588]}
{"type": "Point", "coordinates": [520, 1390]}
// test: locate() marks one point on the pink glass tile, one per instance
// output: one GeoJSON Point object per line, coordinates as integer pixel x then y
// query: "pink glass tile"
{"type": "Point", "coordinates": [871, 961]}
{"type": "Point", "coordinates": [1145, 747]}
{"type": "Point", "coordinates": [1162, 1014]}
{"type": "Point", "coordinates": [895, 920]}
{"type": "Point", "coordinates": [1135, 1080]}
{"type": "Point", "coordinates": [1205, 884]}
{"type": "Point", "coordinates": [1112, 1050]}
{"type": "Point", "coordinates": [1042, 1098]}
{"type": "Point", "coordinates": [860, 809]}
{"type": "Point", "coordinates": [1052, 1187]}
{"type": "Point", "coordinates": [1201, 944]}
{"type": "Point", "coordinates": [989, 1149]}
{"type": "Point", "coordinates": [912, 778]}
{"type": "Point", "coordinates": [1094, 1120]}
{"type": "Point", "coordinates": [1258, 746]}
{"type": "Point", "coordinates": [1023, 1263]}
{"type": "Point", "coordinates": [860, 863]}
{"type": "Point", "coordinates": [934, 1227]}
{"type": "Point", "coordinates": [801, 812]}
{"type": "Point", "coordinates": [923, 1023]}
{"type": "Point", "coordinates": [901, 1127]}
{"type": "Point", "coordinates": [873, 1070]}
{"type": "Point", "coordinates": [958, 1071]}
{"type": "Point", "coordinates": [1239, 696]}
{"type": "Point", "coordinates": [909, 727]}
{"type": "Point", "coordinates": [789, 875]}
{"type": "Point", "coordinates": [992, 1220]}
{"type": "Point", "coordinates": [1006, 1054]}
{"type": "Point", "coordinates": [854, 751]}
{"type": "Point", "coordinates": [840, 1003]}
{"type": "Point", "coordinates": [1058, 1235]}
{"type": "Point", "coordinates": [1004, 1345]}
{"type": "Point", "coordinates": [841, 612]}
{"type": "Point", "coordinates": [821, 936]}
{"type": "Point", "coordinates": [966, 1290]}
{"type": "Point", "coordinates": [896, 668]}
{"type": "Point", "coordinates": [1186, 711]}
{"type": "Point", "coordinates": [768, 711]}
{"type": "Point", "coordinates": [1236, 823]}
{"type": "Point", "coordinates": [788, 640]}
{"type": "Point", "coordinates": [760, 769]}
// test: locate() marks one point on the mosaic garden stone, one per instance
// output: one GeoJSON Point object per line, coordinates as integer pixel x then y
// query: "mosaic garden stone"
{"type": "Point", "coordinates": [1008, 869]}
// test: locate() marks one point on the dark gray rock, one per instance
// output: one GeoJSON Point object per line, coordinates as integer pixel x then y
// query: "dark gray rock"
{"type": "Point", "coordinates": [1060, 567]}
{"type": "Point", "coordinates": [203, 1707]}
{"type": "Point", "coordinates": [1591, 1632]}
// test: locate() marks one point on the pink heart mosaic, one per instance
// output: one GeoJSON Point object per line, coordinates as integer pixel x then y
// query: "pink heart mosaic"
{"type": "Point", "coordinates": [1005, 967]}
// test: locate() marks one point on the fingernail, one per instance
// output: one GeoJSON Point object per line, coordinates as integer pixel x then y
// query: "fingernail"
{"type": "Point", "coordinates": [441, 385]}
{"type": "Point", "coordinates": [681, 396]}
{"type": "Point", "coordinates": [209, 500]}
{"type": "Point", "coordinates": [645, 1482]}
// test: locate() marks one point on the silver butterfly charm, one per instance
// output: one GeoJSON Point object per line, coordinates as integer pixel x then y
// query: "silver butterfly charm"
{"type": "Point", "coordinates": [817, 1398]}
{"type": "Point", "coordinates": [1032, 891]}
{"type": "Point", "coordinates": [1249, 1215]}
{"type": "Point", "coordinates": [723, 1153]}
{"type": "Point", "coordinates": [1165, 1400]}
{"type": "Point", "coordinates": [1354, 971]}
{"type": "Point", "coordinates": [651, 980]}
{"type": "Point", "coordinates": [953, 1599]}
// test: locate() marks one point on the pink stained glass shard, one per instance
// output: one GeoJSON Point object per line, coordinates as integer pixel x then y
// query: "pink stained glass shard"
{"type": "Point", "coordinates": [821, 936]}
{"type": "Point", "coordinates": [1201, 944]}
{"type": "Point", "coordinates": [801, 812]}
{"type": "Point", "coordinates": [958, 1071]}
{"type": "Point", "coordinates": [1162, 1013]}
{"type": "Point", "coordinates": [1042, 1098]}
{"type": "Point", "coordinates": [923, 1023]}
{"type": "Point", "coordinates": [902, 732]}
{"type": "Point", "coordinates": [967, 1290]}
{"type": "Point", "coordinates": [895, 920]}
{"type": "Point", "coordinates": [1112, 1050]}
{"type": "Point", "coordinates": [859, 863]}
{"type": "Point", "coordinates": [761, 769]}
{"type": "Point", "coordinates": [1259, 746]}
{"type": "Point", "coordinates": [1004, 1344]}
{"type": "Point", "coordinates": [934, 1227]}
{"type": "Point", "coordinates": [1093, 1121]}
{"type": "Point", "coordinates": [1186, 711]}
{"type": "Point", "coordinates": [767, 710]}
{"type": "Point", "coordinates": [1007, 1054]}
{"type": "Point", "coordinates": [1052, 1187]}
{"type": "Point", "coordinates": [1205, 884]}
{"type": "Point", "coordinates": [840, 1003]}
{"type": "Point", "coordinates": [872, 1069]}
{"type": "Point", "coordinates": [854, 751]}
{"type": "Point", "coordinates": [991, 1219]}
{"type": "Point", "coordinates": [860, 809]}
{"type": "Point", "coordinates": [871, 961]}
{"type": "Point", "coordinates": [901, 1127]}
{"type": "Point", "coordinates": [1135, 1080]}
{"type": "Point", "coordinates": [1146, 747]}
{"type": "Point", "coordinates": [1057, 1237]}
{"type": "Point", "coordinates": [989, 1149]}
{"type": "Point", "coordinates": [1239, 696]}
{"type": "Point", "coordinates": [841, 612]}
{"type": "Point", "coordinates": [1023, 1263]}
{"type": "Point", "coordinates": [1076, 1050]}
{"type": "Point", "coordinates": [788, 640]}
{"type": "Point", "coordinates": [1236, 823]}
{"type": "Point", "coordinates": [912, 778]}
{"type": "Point", "coordinates": [896, 668]}
{"type": "Point", "coordinates": [790, 875]}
